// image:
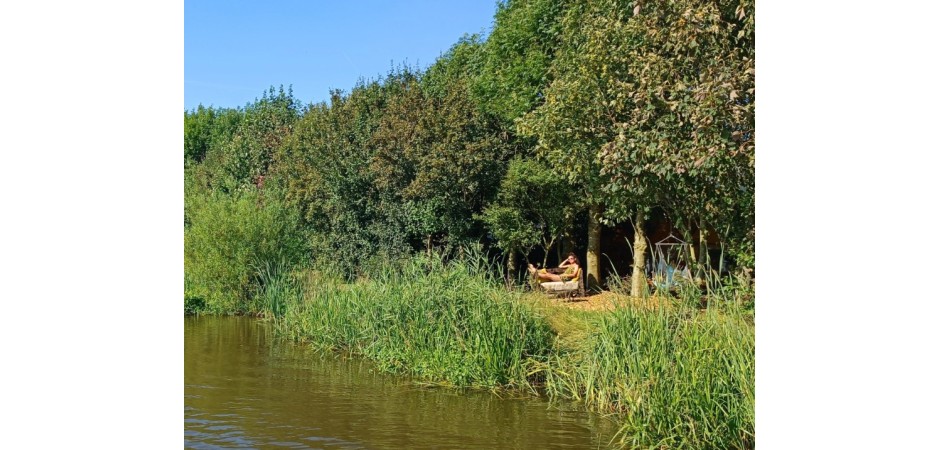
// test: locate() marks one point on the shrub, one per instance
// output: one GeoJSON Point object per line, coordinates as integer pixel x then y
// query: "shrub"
{"type": "Point", "coordinates": [228, 239]}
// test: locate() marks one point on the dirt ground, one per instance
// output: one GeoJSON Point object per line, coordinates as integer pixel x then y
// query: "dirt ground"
{"type": "Point", "coordinates": [592, 302]}
{"type": "Point", "coordinates": [601, 301]}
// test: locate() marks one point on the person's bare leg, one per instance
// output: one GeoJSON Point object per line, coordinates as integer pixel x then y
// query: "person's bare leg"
{"type": "Point", "coordinates": [549, 277]}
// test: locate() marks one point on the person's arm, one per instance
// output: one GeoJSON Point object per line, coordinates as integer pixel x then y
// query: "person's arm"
{"type": "Point", "coordinates": [564, 264]}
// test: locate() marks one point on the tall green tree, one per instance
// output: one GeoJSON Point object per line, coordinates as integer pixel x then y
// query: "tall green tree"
{"type": "Point", "coordinates": [534, 207]}
{"type": "Point", "coordinates": [207, 129]}
{"type": "Point", "coordinates": [437, 156]}
{"type": "Point", "coordinates": [652, 106]}
{"type": "Point", "coordinates": [264, 124]}
{"type": "Point", "coordinates": [325, 169]}
{"type": "Point", "coordinates": [681, 77]}
{"type": "Point", "coordinates": [514, 69]}
{"type": "Point", "coordinates": [573, 122]}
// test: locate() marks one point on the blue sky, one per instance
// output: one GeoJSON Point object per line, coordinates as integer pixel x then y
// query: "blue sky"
{"type": "Point", "coordinates": [235, 50]}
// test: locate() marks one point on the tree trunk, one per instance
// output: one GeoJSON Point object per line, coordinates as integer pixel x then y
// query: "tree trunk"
{"type": "Point", "coordinates": [594, 247]}
{"type": "Point", "coordinates": [638, 286]}
{"type": "Point", "coordinates": [547, 246]}
{"type": "Point", "coordinates": [704, 262]}
{"type": "Point", "coordinates": [511, 266]}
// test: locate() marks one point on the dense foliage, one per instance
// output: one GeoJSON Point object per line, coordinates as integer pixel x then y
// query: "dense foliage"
{"type": "Point", "coordinates": [615, 107]}
{"type": "Point", "coordinates": [333, 217]}
{"type": "Point", "coordinates": [228, 239]}
{"type": "Point", "coordinates": [605, 107]}
{"type": "Point", "coordinates": [534, 207]}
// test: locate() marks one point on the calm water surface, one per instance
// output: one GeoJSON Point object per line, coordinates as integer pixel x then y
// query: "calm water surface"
{"type": "Point", "coordinates": [246, 389]}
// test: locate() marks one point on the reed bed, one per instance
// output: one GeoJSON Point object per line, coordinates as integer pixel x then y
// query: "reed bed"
{"type": "Point", "coordinates": [675, 377]}
{"type": "Point", "coordinates": [672, 374]}
{"type": "Point", "coordinates": [443, 322]}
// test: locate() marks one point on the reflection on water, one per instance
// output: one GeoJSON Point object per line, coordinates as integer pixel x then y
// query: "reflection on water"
{"type": "Point", "coordinates": [246, 389]}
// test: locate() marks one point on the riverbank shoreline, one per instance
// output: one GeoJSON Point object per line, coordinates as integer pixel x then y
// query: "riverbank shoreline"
{"type": "Point", "coordinates": [673, 374]}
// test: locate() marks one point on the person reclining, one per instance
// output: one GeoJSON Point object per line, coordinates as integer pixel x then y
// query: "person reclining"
{"type": "Point", "coordinates": [570, 265]}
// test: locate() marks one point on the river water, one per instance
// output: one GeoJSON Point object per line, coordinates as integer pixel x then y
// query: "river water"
{"type": "Point", "coordinates": [244, 388]}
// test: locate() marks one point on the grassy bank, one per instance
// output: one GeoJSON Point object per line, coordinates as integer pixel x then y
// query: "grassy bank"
{"type": "Point", "coordinates": [675, 377]}
{"type": "Point", "coordinates": [444, 323]}
{"type": "Point", "coordinates": [672, 374]}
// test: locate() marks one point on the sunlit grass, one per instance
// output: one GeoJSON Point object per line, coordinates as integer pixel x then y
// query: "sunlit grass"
{"type": "Point", "coordinates": [672, 373]}
{"type": "Point", "coordinates": [677, 377]}
{"type": "Point", "coordinates": [449, 323]}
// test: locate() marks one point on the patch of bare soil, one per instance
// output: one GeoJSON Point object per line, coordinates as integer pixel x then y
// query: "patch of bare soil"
{"type": "Point", "coordinates": [604, 301]}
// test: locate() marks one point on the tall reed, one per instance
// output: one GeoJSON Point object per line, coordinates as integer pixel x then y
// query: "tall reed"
{"type": "Point", "coordinates": [278, 287]}
{"type": "Point", "coordinates": [673, 374]}
{"type": "Point", "coordinates": [444, 322]}
{"type": "Point", "coordinates": [677, 377]}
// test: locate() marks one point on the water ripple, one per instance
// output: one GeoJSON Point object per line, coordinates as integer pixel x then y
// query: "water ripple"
{"type": "Point", "coordinates": [244, 389]}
